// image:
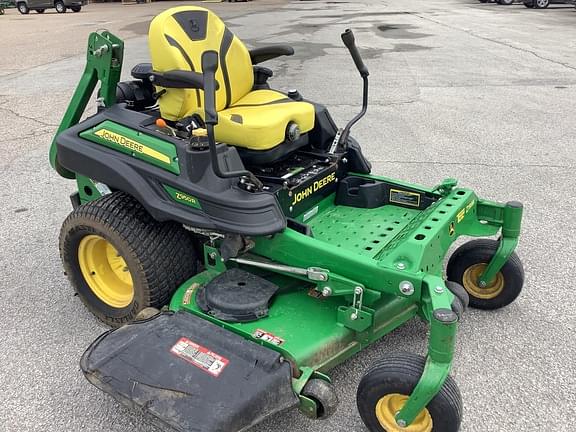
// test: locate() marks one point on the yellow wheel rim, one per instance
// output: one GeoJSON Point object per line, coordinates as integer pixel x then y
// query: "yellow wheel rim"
{"type": "Point", "coordinates": [470, 282]}
{"type": "Point", "coordinates": [105, 271]}
{"type": "Point", "coordinates": [387, 408]}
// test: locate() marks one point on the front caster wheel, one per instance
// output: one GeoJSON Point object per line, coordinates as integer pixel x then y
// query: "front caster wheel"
{"type": "Point", "coordinates": [385, 388]}
{"type": "Point", "coordinates": [120, 260]}
{"type": "Point", "coordinates": [466, 266]}
{"type": "Point", "coordinates": [461, 298]}
{"type": "Point", "coordinates": [323, 393]}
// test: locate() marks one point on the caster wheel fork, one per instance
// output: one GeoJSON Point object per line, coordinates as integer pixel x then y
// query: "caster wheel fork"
{"type": "Point", "coordinates": [406, 392]}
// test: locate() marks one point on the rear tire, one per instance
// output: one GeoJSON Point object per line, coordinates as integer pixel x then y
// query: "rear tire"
{"type": "Point", "coordinates": [388, 384]}
{"type": "Point", "coordinates": [541, 4]}
{"type": "Point", "coordinates": [506, 2]}
{"type": "Point", "coordinates": [23, 8]}
{"type": "Point", "coordinates": [120, 260]}
{"type": "Point", "coordinates": [76, 8]}
{"type": "Point", "coordinates": [60, 7]}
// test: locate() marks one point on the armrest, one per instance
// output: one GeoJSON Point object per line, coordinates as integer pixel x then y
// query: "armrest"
{"type": "Point", "coordinates": [265, 53]}
{"type": "Point", "coordinates": [142, 71]}
{"type": "Point", "coordinates": [179, 79]}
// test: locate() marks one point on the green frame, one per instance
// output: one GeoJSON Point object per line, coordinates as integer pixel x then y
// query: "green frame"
{"type": "Point", "coordinates": [368, 296]}
{"type": "Point", "coordinates": [458, 212]}
{"type": "Point", "coordinates": [104, 59]}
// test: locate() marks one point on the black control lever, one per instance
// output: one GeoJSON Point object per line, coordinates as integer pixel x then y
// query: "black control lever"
{"type": "Point", "coordinates": [349, 41]}
{"type": "Point", "coordinates": [341, 138]}
{"type": "Point", "coordinates": [209, 68]}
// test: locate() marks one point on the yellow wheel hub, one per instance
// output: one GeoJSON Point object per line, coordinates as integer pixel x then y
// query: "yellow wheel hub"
{"type": "Point", "coordinates": [105, 271]}
{"type": "Point", "coordinates": [470, 282]}
{"type": "Point", "coordinates": [387, 408]}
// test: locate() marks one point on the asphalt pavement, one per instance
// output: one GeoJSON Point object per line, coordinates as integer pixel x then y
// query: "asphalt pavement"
{"type": "Point", "coordinates": [480, 92]}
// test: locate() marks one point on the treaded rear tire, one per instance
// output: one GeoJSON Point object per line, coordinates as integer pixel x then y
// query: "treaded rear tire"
{"type": "Point", "coordinates": [159, 256]}
{"type": "Point", "coordinates": [399, 373]}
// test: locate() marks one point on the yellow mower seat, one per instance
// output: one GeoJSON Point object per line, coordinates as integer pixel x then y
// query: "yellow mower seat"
{"type": "Point", "coordinates": [253, 119]}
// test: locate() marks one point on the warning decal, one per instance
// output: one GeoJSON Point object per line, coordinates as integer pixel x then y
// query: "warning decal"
{"type": "Point", "coordinates": [268, 337]}
{"type": "Point", "coordinates": [200, 356]}
{"type": "Point", "coordinates": [405, 197]}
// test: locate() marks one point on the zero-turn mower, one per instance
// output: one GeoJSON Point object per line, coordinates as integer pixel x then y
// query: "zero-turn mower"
{"type": "Point", "coordinates": [237, 243]}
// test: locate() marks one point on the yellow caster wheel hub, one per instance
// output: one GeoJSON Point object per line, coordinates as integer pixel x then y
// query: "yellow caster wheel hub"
{"type": "Point", "coordinates": [389, 405]}
{"type": "Point", "coordinates": [105, 271]}
{"type": "Point", "coordinates": [470, 282]}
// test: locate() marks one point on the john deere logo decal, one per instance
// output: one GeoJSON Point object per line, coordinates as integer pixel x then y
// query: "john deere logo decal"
{"type": "Point", "coordinates": [314, 187]}
{"type": "Point", "coordinates": [131, 145]}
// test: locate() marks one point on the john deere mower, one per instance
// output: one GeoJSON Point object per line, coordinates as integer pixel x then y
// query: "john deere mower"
{"type": "Point", "coordinates": [234, 239]}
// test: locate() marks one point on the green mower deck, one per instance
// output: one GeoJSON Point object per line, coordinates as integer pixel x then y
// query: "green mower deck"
{"type": "Point", "coordinates": [395, 251]}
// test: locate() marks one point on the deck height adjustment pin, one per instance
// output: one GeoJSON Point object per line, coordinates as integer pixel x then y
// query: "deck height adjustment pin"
{"type": "Point", "coordinates": [357, 302]}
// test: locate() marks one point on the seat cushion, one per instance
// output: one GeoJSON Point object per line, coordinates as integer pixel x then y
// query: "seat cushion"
{"type": "Point", "coordinates": [258, 121]}
{"type": "Point", "coordinates": [177, 38]}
